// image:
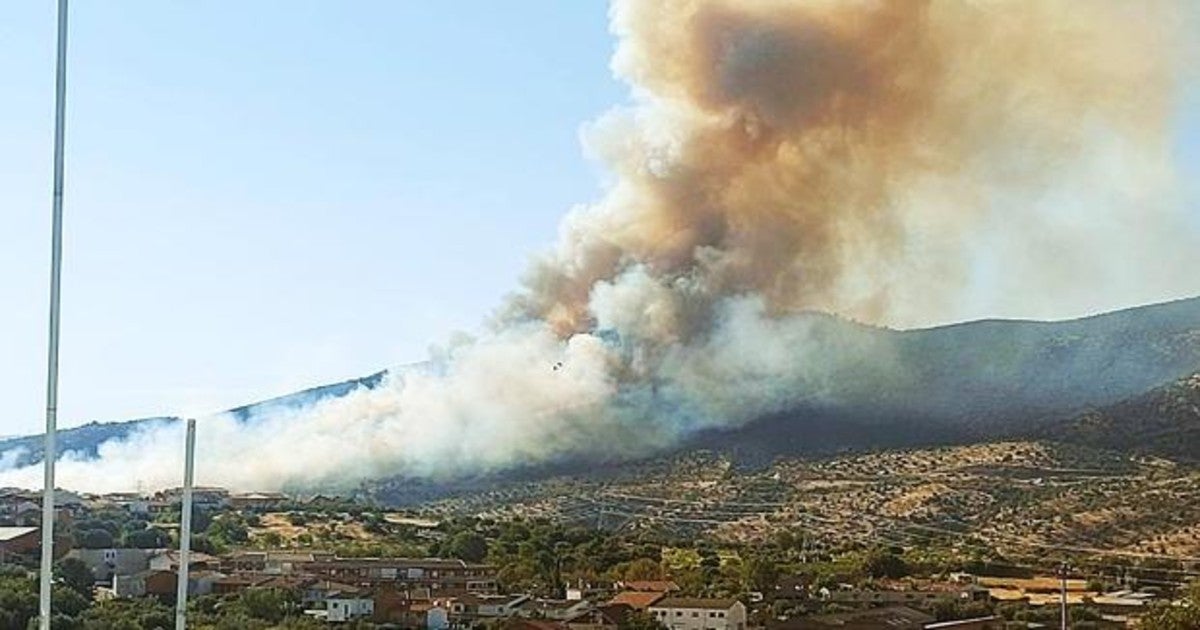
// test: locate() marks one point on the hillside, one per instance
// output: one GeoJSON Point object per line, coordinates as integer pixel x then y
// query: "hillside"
{"type": "Point", "coordinates": [1164, 421]}
{"type": "Point", "coordinates": [1023, 498]}
{"type": "Point", "coordinates": [983, 380]}
{"type": "Point", "coordinates": [993, 372]}
{"type": "Point", "coordinates": [966, 382]}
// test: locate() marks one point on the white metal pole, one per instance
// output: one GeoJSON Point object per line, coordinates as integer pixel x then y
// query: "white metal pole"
{"type": "Point", "coordinates": [185, 526]}
{"type": "Point", "coordinates": [49, 449]}
{"type": "Point", "coordinates": [1062, 574]}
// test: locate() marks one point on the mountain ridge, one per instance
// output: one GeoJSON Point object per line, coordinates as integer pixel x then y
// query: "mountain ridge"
{"type": "Point", "coordinates": [957, 382]}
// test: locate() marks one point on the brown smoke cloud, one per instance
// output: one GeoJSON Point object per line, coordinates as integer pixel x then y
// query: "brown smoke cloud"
{"type": "Point", "coordinates": [900, 162]}
{"type": "Point", "coordinates": [840, 155]}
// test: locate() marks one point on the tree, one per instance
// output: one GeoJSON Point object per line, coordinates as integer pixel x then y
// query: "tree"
{"type": "Point", "coordinates": [267, 604]}
{"type": "Point", "coordinates": [75, 575]}
{"type": "Point", "coordinates": [127, 614]}
{"type": "Point", "coordinates": [760, 573]}
{"type": "Point", "coordinates": [149, 538]}
{"type": "Point", "coordinates": [203, 544]}
{"type": "Point", "coordinates": [228, 530]}
{"type": "Point", "coordinates": [639, 620]}
{"type": "Point", "coordinates": [1169, 617]}
{"type": "Point", "coordinates": [468, 546]}
{"type": "Point", "coordinates": [883, 563]}
{"type": "Point", "coordinates": [643, 569]}
{"type": "Point", "coordinates": [96, 539]}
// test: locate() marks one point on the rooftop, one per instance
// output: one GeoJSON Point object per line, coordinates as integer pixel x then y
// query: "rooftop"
{"type": "Point", "coordinates": [9, 533]}
{"type": "Point", "coordinates": [696, 602]}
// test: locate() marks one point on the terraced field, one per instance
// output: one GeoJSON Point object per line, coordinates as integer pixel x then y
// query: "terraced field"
{"type": "Point", "coordinates": [1019, 499]}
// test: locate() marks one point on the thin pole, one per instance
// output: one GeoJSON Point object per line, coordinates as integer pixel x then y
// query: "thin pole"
{"type": "Point", "coordinates": [1062, 574]}
{"type": "Point", "coordinates": [185, 527]}
{"type": "Point", "coordinates": [49, 449]}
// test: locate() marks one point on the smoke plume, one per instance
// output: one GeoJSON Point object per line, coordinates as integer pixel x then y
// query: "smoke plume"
{"type": "Point", "coordinates": [899, 163]}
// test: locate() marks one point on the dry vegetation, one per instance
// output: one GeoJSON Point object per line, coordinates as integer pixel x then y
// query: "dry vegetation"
{"type": "Point", "coordinates": [1018, 497]}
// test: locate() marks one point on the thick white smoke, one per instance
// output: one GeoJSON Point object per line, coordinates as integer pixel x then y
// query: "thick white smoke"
{"type": "Point", "coordinates": [895, 162]}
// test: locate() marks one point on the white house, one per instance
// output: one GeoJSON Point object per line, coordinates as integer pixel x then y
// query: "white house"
{"type": "Point", "coordinates": [690, 613]}
{"type": "Point", "coordinates": [345, 605]}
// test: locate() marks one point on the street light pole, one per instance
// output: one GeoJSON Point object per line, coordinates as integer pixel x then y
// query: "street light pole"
{"type": "Point", "coordinates": [49, 448]}
{"type": "Point", "coordinates": [185, 527]}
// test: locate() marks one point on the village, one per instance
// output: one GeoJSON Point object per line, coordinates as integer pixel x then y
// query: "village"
{"type": "Point", "coordinates": [322, 560]}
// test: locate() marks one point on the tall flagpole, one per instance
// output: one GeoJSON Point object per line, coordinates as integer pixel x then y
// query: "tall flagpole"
{"type": "Point", "coordinates": [49, 450]}
{"type": "Point", "coordinates": [185, 527]}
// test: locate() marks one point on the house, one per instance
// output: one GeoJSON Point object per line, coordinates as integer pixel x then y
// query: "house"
{"type": "Point", "coordinates": [287, 583]}
{"type": "Point", "coordinates": [901, 593]}
{"type": "Point", "coordinates": [203, 581]}
{"type": "Point", "coordinates": [887, 618]}
{"type": "Point", "coordinates": [273, 562]}
{"type": "Point", "coordinates": [18, 541]}
{"type": "Point", "coordinates": [162, 584]}
{"type": "Point", "coordinates": [105, 563]}
{"type": "Point", "coordinates": [472, 607]}
{"type": "Point", "coordinates": [556, 609]}
{"type": "Point", "coordinates": [316, 592]}
{"type": "Point", "coordinates": [606, 617]}
{"type": "Point", "coordinates": [203, 497]}
{"type": "Point", "coordinates": [168, 560]}
{"type": "Point", "coordinates": [585, 591]}
{"type": "Point", "coordinates": [133, 502]}
{"type": "Point", "coordinates": [433, 577]}
{"type": "Point", "coordinates": [148, 583]}
{"type": "Point", "coordinates": [258, 500]}
{"type": "Point", "coordinates": [394, 607]}
{"type": "Point", "coordinates": [693, 613]}
{"type": "Point", "coordinates": [347, 604]}
{"type": "Point", "coordinates": [636, 600]}
{"type": "Point", "coordinates": [237, 583]}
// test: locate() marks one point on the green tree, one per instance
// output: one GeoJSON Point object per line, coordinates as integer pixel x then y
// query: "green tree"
{"type": "Point", "coordinates": [127, 614]}
{"type": "Point", "coordinates": [881, 563]}
{"type": "Point", "coordinates": [228, 530]}
{"type": "Point", "coordinates": [75, 575]}
{"type": "Point", "coordinates": [1170, 617]}
{"type": "Point", "coordinates": [149, 538]}
{"type": "Point", "coordinates": [468, 546]}
{"type": "Point", "coordinates": [96, 539]}
{"type": "Point", "coordinates": [643, 569]}
{"type": "Point", "coordinates": [760, 573]}
{"type": "Point", "coordinates": [639, 620]}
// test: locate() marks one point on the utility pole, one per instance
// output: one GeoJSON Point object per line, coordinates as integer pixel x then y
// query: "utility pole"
{"type": "Point", "coordinates": [49, 448]}
{"type": "Point", "coordinates": [185, 526]}
{"type": "Point", "coordinates": [1063, 570]}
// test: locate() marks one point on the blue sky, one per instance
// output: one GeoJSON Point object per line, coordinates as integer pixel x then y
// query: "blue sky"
{"type": "Point", "coordinates": [270, 195]}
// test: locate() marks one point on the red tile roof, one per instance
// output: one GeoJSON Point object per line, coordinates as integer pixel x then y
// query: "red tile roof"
{"type": "Point", "coordinates": [638, 600]}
